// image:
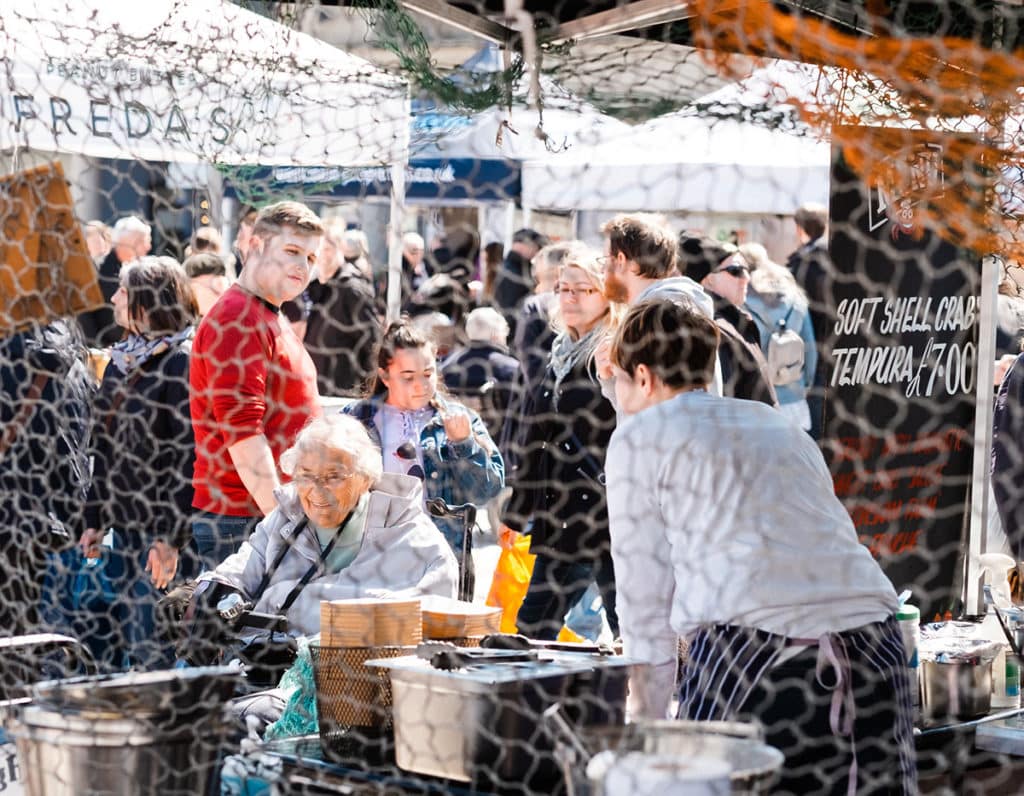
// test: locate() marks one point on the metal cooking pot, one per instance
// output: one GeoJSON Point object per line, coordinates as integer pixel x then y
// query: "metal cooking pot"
{"type": "Point", "coordinates": [955, 691]}
{"type": "Point", "coordinates": [174, 693]}
{"type": "Point", "coordinates": [753, 764]}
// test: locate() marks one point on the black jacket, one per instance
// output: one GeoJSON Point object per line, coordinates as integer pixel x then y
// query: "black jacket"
{"type": "Point", "coordinates": [44, 472]}
{"type": "Point", "coordinates": [512, 285]}
{"type": "Point", "coordinates": [1008, 456]}
{"type": "Point", "coordinates": [144, 451]}
{"type": "Point", "coordinates": [813, 270]}
{"type": "Point", "coordinates": [342, 332]}
{"type": "Point", "coordinates": [98, 326]}
{"type": "Point", "coordinates": [744, 368]}
{"type": "Point", "coordinates": [532, 347]}
{"type": "Point", "coordinates": [563, 440]}
{"type": "Point", "coordinates": [483, 376]}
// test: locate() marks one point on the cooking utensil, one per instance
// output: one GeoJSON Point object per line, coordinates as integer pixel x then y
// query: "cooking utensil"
{"type": "Point", "coordinates": [484, 723]}
{"type": "Point", "coordinates": [168, 693]}
{"type": "Point", "coordinates": [514, 641]}
{"type": "Point", "coordinates": [456, 658]}
{"type": "Point", "coordinates": [955, 691]}
{"type": "Point", "coordinates": [754, 764]}
{"type": "Point", "coordinates": [554, 715]}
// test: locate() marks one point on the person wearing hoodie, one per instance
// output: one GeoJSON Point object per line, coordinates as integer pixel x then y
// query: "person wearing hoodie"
{"type": "Point", "coordinates": [640, 263]}
{"type": "Point", "coordinates": [775, 301]}
{"type": "Point", "coordinates": [45, 411]}
{"type": "Point", "coordinates": [725, 276]}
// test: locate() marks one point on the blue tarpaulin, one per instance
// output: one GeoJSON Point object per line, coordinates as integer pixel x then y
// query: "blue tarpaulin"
{"type": "Point", "coordinates": [433, 179]}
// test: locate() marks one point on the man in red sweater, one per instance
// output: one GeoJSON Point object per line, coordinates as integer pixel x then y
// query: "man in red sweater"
{"type": "Point", "coordinates": [253, 385]}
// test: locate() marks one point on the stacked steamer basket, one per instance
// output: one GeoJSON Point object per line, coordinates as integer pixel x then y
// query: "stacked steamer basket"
{"type": "Point", "coordinates": [457, 622]}
{"type": "Point", "coordinates": [350, 696]}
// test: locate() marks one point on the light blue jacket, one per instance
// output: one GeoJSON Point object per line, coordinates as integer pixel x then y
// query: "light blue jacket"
{"type": "Point", "coordinates": [767, 310]}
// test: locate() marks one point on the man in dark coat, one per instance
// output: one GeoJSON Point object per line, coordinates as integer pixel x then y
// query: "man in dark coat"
{"type": "Point", "coordinates": [725, 276]}
{"type": "Point", "coordinates": [45, 407]}
{"type": "Point", "coordinates": [482, 374]}
{"type": "Point", "coordinates": [813, 270]}
{"type": "Point", "coordinates": [132, 238]}
{"type": "Point", "coordinates": [515, 281]}
{"type": "Point", "coordinates": [343, 329]}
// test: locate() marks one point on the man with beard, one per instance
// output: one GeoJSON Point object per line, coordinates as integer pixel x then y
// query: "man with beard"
{"type": "Point", "coordinates": [641, 264]}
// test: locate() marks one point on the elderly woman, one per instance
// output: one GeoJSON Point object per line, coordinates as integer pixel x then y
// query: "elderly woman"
{"type": "Point", "coordinates": [361, 532]}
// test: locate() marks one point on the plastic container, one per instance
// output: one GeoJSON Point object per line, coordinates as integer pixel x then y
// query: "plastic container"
{"type": "Point", "coordinates": [909, 618]}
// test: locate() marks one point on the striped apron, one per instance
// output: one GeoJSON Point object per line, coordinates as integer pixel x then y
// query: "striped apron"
{"type": "Point", "coordinates": [838, 707]}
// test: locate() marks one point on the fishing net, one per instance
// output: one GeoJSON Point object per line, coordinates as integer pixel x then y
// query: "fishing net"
{"type": "Point", "coordinates": [840, 186]}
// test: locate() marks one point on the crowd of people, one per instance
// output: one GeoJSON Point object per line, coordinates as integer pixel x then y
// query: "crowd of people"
{"type": "Point", "coordinates": [608, 430]}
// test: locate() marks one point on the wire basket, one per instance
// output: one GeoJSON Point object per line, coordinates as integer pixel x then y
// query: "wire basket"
{"type": "Point", "coordinates": [348, 694]}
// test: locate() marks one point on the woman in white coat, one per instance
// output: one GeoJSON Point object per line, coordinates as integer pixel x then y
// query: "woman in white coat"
{"type": "Point", "coordinates": [381, 541]}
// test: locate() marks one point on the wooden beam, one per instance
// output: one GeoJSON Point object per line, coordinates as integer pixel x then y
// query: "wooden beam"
{"type": "Point", "coordinates": [638, 14]}
{"type": "Point", "coordinates": [441, 11]}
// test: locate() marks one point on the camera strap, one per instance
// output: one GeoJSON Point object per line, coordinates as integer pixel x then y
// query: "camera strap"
{"type": "Point", "coordinates": [293, 595]}
{"type": "Point", "coordinates": [277, 561]}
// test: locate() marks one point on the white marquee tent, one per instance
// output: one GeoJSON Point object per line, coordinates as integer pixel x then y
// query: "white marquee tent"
{"type": "Point", "coordinates": [187, 81]}
{"type": "Point", "coordinates": [195, 81]}
{"type": "Point", "coordinates": [689, 162]}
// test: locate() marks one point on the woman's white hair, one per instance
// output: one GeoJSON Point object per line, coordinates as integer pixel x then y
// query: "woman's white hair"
{"type": "Point", "coordinates": [342, 434]}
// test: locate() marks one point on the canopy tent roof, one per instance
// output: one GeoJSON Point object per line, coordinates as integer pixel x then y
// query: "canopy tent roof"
{"type": "Point", "coordinates": [511, 131]}
{"type": "Point", "coordinates": [187, 81]}
{"type": "Point", "coordinates": [685, 162]}
{"type": "Point", "coordinates": [455, 156]}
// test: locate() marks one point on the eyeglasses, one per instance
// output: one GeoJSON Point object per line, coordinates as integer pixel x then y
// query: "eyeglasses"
{"type": "Point", "coordinates": [576, 292]}
{"type": "Point", "coordinates": [329, 480]}
{"type": "Point", "coordinates": [737, 271]}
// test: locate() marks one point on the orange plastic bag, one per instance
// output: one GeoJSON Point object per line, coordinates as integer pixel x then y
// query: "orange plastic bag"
{"type": "Point", "coordinates": [511, 580]}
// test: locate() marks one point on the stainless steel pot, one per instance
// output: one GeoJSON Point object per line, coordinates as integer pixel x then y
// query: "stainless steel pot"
{"type": "Point", "coordinates": [171, 693]}
{"type": "Point", "coordinates": [483, 723]}
{"type": "Point", "coordinates": [955, 691]}
{"type": "Point", "coordinates": [141, 734]}
{"type": "Point", "coordinates": [753, 764]}
{"type": "Point", "coordinates": [61, 753]}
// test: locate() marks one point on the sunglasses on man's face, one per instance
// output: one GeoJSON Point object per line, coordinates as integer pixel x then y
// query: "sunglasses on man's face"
{"type": "Point", "coordinates": [736, 271]}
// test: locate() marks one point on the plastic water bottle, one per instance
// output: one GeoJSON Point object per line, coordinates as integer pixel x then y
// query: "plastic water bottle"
{"type": "Point", "coordinates": [909, 618]}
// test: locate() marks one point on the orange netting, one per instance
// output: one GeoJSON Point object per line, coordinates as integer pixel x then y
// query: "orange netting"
{"type": "Point", "coordinates": [894, 85]}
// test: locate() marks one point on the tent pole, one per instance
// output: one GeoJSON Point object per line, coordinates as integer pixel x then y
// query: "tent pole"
{"type": "Point", "coordinates": [990, 271]}
{"type": "Point", "coordinates": [510, 224]}
{"type": "Point", "coordinates": [395, 223]}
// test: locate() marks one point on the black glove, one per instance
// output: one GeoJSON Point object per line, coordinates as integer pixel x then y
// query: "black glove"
{"type": "Point", "coordinates": [203, 633]}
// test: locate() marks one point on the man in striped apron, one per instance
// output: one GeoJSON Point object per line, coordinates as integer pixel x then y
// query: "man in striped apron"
{"type": "Point", "coordinates": [726, 531]}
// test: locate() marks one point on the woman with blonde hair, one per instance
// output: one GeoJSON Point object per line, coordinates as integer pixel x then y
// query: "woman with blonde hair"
{"type": "Point", "coordinates": [558, 488]}
{"type": "Point", "coordinates": [777, 304]}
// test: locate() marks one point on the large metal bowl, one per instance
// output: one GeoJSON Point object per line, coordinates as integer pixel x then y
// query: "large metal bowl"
{"type": "Point", "coordinates": [754, 764]}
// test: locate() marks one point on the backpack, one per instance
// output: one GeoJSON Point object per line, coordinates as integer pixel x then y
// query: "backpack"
{"type": "Point", "coordinates": [785, 354]}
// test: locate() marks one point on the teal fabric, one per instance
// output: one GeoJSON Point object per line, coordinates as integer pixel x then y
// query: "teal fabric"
{"type": "Point", "coordinates": [299, 716]}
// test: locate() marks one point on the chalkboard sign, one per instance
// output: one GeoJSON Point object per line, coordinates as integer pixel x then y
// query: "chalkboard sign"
{"type": "Point", "coordinates": [900, 411]}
